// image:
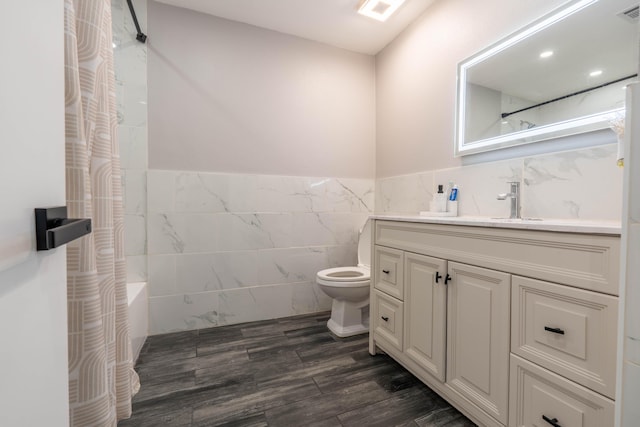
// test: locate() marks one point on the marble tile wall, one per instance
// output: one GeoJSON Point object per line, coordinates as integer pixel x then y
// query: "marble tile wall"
{"type": "Point", "coordinates": [130, 66]}
{"type": "Point", "coordinates": [225, 248]}
{"type": "Point", "coordinates": [581, 184]}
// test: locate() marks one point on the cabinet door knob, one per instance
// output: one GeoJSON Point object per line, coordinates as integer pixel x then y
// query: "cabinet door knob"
{"type": "Point", "coordinates": [552, 421]}
{"type": "Point", "coordinates": [386, 319]}
{"type": "Point", "coordinates": [446, 279]}
{"type": "Point", "coordinates": [554, 330]}
{"type": "Point", "coordinates": [386, 271]}
{"type": "Point", "coordinates": [438, 276]}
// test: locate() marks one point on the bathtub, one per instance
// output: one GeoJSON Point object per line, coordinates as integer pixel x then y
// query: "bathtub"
{"type": "Point", "coordinates": [138, 316]}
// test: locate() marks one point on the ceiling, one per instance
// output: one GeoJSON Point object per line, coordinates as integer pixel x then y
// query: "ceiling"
{"type": "Point", "coordinates": [334, 22]}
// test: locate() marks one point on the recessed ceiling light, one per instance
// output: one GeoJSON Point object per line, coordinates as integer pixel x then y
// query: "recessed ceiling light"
{"type": "Point", "coordinates": [379, 9]}
{"type": "Point", "coordinates": [595, 73]}
{"type": "Point", "coordinates": [546, 54]}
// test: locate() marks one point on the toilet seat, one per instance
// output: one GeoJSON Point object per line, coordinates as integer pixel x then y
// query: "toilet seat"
{"type": "Point", "coordinates": [344, 276]}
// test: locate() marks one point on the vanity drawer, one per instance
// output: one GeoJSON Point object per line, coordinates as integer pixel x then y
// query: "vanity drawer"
{"type": "Point", "coordinates": [389, 271]}
{"type": "Point", "coordinates": [567, 330]}
{"type": "Point", "coordinates": [536, 392]}
{"type": "Point", "coordinates": [387, 318]}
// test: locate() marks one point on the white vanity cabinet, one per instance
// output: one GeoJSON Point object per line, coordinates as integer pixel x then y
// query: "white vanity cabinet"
{"type": "Point", "coordinates": [508, 325]}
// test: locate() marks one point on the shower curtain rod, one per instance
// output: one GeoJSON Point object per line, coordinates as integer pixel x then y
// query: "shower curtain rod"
{"type": "Point", "coordinates": [141, 37]}
{"type": "Point", "coordinates": [504, 115]}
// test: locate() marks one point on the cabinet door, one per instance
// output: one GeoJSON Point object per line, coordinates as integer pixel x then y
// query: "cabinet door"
{"type": "Point", "coordinates": [478, 336]}
{"type": "Point", "coordinates": [425, 312]}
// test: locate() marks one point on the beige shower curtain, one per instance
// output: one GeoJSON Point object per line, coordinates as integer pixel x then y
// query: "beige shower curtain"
{"type": "Point", "coordinates": [101, 376]}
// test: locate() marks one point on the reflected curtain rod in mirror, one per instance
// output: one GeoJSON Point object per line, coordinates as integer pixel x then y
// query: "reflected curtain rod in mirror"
{"type": "Point", "coordinates": [555, 77]}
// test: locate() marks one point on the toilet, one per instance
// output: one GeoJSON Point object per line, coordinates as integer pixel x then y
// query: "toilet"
{"type": "Point", "coordinates": [349, 288]}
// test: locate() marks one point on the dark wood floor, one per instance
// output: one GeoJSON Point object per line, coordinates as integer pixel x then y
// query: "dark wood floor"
{"type": "Point", "coordinates": [283, 372]}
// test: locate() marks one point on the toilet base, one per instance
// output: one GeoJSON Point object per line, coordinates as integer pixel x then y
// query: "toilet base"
{"type": "Point", "coordinates": [348, 319]}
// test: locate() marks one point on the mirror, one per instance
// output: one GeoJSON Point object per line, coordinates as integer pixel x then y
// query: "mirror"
{"type": "Point", "coordinates": [563, 74]}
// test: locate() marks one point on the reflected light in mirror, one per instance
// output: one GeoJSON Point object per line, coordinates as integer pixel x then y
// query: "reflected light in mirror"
{"type": "Point", "coordinates": [595, 73]}
{"type": "Point", "coordinates": [546, 54]}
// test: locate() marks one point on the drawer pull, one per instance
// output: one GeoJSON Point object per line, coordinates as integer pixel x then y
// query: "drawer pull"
{"type": "Point", "coordinates": [386, 319]}
{"type": "Point", "coordinates": [386, 271]}
{"type": "Point", "coordinates": [552, 421]}
{"type": "Point", "coordinates": [554, 330]}
{"type": "Point", "coordinates": [446, 279]}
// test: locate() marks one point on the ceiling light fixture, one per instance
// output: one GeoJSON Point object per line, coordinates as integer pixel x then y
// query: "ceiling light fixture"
{"type": "Point", "coordinates": [546, 54]}
{"type": "Point", "coordinates": [379, 9]}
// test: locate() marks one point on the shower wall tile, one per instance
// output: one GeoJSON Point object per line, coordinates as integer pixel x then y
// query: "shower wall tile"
{"type": "Point", "coordinates": [135, 191]}
{"type": "Point", "coordinates": [580, 184]}
{"type": "Point", "coordinates": [162, 275]}
{"type": "Point", "coordinates": [133, 147]}
{"type": "Point", "coordinates": [255, 241]}
{"type": "Point", "coordinates": [130, 69]}
{"type": "Point", "coordinates": [135, 231]}
{"type": "Point", "coordinates": [136, 268]}
{"type": "Point", "coordinates": [160, 191]}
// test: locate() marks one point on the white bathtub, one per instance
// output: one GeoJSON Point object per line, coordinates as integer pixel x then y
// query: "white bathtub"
{"type": "Point", "coordinates": [138, 316]}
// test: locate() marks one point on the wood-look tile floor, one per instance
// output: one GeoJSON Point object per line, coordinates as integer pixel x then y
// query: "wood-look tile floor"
{"type": "Point", "coordinates": [279, 373]}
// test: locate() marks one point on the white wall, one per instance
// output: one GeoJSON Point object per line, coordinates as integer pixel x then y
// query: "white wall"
{"type": "Point", "coordinates": [33, 307]}
{"type": "Point", "coordinates": [230, 97]}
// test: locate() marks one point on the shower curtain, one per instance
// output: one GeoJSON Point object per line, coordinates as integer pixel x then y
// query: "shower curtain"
{"type": "Point", "coordinates": [101, 376]}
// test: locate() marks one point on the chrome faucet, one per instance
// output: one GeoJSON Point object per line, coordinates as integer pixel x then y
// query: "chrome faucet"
{"type": "Point", "coordinates": [514, 195]}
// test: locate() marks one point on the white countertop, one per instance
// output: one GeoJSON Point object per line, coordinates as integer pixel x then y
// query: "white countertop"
{"type": "Point", "coordinates": [559, 225]}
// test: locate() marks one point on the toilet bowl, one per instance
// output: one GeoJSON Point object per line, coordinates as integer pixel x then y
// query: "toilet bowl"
{"type": "Point", "coordinates": [349, 288]}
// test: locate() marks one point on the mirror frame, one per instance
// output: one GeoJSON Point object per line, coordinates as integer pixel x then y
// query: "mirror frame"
{"type": "Point", "coordinates": [564, 128]}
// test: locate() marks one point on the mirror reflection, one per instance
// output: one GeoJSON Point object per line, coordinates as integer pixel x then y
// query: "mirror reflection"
{"type": "Point", "coordinates": [563, 74]}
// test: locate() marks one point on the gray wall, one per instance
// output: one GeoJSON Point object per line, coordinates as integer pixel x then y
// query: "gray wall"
{"type": "Point", "coordinates": [229, 97]}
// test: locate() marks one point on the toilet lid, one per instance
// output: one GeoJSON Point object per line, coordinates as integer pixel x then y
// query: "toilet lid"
{"type": "Point", "coordinates": [364, 245]}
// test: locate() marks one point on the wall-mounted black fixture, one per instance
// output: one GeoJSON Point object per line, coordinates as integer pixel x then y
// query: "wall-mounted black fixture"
{"type": "Point", "coordinates": [141, 37]}
{"type": "Point", "coordinates": [54, 229]}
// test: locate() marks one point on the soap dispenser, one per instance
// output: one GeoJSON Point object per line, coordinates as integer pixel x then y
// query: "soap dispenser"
{"type": "Point", "coordinates": [439, 203]}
